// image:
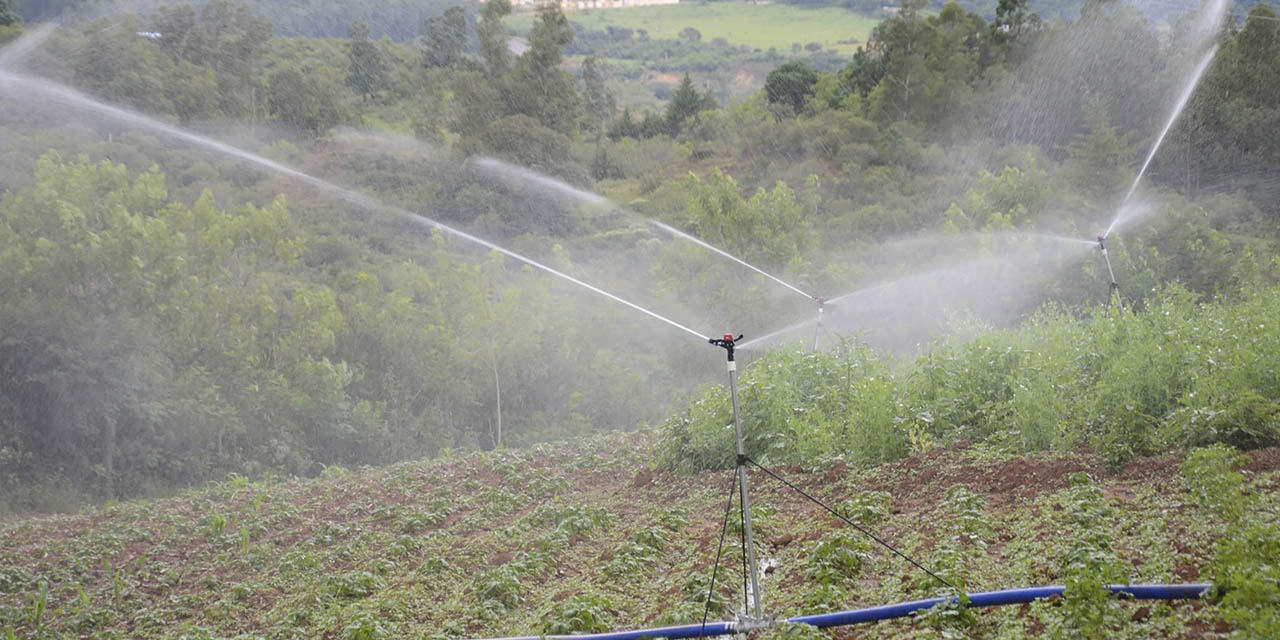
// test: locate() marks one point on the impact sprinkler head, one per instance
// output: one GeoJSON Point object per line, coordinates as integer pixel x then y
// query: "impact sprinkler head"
{"type": "Point", "coordinates": [727, 343]}
{"type": "Point", "coordinates": [822, 301]}
{"type": "Point", "coordinates": [1102, 243]}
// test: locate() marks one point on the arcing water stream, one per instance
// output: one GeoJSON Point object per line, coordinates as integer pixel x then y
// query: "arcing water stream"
{"type": "Point", "coordinates": [507, 170]}
{"type": "Point", "coordinates": [684, 236]}
{"type": "Point", "coordinates": [1185, 97]}
{"type": "Point", "coordinates": [511, 171]}
{"type": "Point", "coordinates": [1206, 31]}
{"type": "Point", "coordinates": [70, 97]}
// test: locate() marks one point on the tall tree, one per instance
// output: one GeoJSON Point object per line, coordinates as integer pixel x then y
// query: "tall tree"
{"type": "Point", "coordinates": [601, 105]}
{"type": "Point", "coordinates": [445, 38]}
{"type": "Point", "coordinates": [366, 69]}
{"type": "Point", "coordinates": [791, 84]}
{"type": "Point", "coordinates": [685, 103]}
{"type": "Point", "coordinates": [1099, 159]}
{"type": "Point", "coordinates": [537, 86]}
{"type": "Point", "coordinates": [303, 102]}
{"type": "Point", "coordinates": [7, 15]}
{"type": "Point", "coordinates": [493, 37]}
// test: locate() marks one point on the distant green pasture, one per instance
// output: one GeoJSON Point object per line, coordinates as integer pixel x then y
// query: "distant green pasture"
{"type": "Point", "coordinates": [758, 25]}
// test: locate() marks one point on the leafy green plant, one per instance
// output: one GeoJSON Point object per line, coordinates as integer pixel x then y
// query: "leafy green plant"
{"type": "Point", "coordinates": [867, 507]}
{"type": "Point", "coordinates": [673, 518]}
{"type": "Point", "coordinates": [364, 626]}
{"type": "Point", "coordinates": [499, 586]}
{"type": "Point", "coordinates": [38, 606]}
{"type": "Point", "coordinates": [793, 631]}
{"type": "Point", "coordinates": [1209, 473]}
{"type": "Point", "coordinates": [837, 557]}
{"type": "Point", "coordinates": [585, 613]}
{"type": "Point", "coordinates": [950, 619]}
{"type": "Point", "coordinates": [353, 584]}
{"type": "Point", "coordinates": [1090, 564]}
{"type": "Point", "coordinates": [1246, 577]}
{"type": "Point", "coordinates": [970, 521]}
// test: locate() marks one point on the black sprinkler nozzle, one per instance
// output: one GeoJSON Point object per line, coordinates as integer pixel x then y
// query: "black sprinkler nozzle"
{"type": "Point", "coordinates": [1101, 243]}
{"type": "Point", "coordinates": [726, 343]}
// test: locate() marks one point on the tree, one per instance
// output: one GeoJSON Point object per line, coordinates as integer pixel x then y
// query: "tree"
{"type": "Point", "coordinates": [791, 84]}
{"type": "Point", "coordinates": [685, 103]}
{"type": "Point", "coordinates": [1099, 160]}
{"type": "Point", "coordinates": [444, 39]}
{"type": "Point", "coordinates": [303, 102]}
{"type": "Point", "coordinates": [493, 37]}
{"type": "Point", "coordinates": [228, 38]}
{"type": "Point", "coordinates": [1013, 20]}
{"type": "Point", "coordinates": [8, 17]}
{"type": "Point", "coordinates": [601, 105]}
{"type": "Point", "coordinates": [538, 87]}
{"type": "Point", "coordinates": [366, 70]}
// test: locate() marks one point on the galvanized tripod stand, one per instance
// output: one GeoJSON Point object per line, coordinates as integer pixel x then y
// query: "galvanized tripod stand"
{"type": "Point", "coordinates": [757, 621]}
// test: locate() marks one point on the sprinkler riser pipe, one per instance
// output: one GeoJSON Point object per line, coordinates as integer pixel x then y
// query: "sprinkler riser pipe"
{"type": "Point", "coordinates": [1115, 287]}
{"type": "Point", "coordinates": [817, 330]}
{"type": "Point", "coordinates": [742, 491]}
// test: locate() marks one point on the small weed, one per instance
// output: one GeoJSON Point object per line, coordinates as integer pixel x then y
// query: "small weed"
{"type": "Point", "coordinates": [215, 526]}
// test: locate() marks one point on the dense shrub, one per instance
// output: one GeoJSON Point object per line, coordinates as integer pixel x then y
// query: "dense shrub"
{"type": "Point", "coordinates": [1177, 374]}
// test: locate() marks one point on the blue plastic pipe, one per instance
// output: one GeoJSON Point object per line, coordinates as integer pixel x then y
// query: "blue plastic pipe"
{"type": "Point", "coordinates": [684, 631]}
{"type": "Point", "coordinates": [998, 598]}
{"type": "Point", "coordinates": [899, 610]}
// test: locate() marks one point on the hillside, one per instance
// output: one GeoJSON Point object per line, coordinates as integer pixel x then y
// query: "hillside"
{"type": "Point", "coordinates": [583, 536]}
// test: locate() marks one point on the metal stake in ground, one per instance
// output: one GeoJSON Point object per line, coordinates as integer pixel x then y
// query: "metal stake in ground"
{"type": "Point", "coordinates": [1114, 291]}
{"type": "Point", "coordinates": [727, 343]}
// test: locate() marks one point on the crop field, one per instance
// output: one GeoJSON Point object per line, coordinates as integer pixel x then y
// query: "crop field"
{"type": "Point", "coordinates": [761, 26]}
{"type": "Point", "coordinates": [584, 537]}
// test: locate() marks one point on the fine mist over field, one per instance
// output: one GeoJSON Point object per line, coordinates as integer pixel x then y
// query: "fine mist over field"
{"type": "Point", "coordinates": [488, 320]}
{"type": "Point", "coordinates": [368, 251]}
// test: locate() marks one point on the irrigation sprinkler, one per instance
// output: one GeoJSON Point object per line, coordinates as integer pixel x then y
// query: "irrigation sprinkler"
{"type": "Point", "coordinates": [727, 343]}
{"type": "Point", "coordinates": [1114, 291]}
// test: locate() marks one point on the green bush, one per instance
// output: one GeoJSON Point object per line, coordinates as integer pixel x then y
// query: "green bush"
{"type": "Point", "coordinates": [1174, 375]}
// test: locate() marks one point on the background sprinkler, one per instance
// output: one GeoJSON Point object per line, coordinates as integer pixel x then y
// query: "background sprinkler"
{"type": "Point", "coordinates": [727, 343]}
{"type": "Point", "coordinates": [1114, 290]}
{"type": "Point", "coordinates": [817, 330]}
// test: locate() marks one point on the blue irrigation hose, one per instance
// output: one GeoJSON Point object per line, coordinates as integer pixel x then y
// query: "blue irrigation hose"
{"type": "Point", "coordinates": [684, 631]}
{"type": "Point", "coordinates": [997, 598]}
{"type": "Point", "coordinates": [899, 610]}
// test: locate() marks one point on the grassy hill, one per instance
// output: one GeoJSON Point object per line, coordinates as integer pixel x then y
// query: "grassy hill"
{"type": "Point", "coordinates": [761, 26]}
{"type": "Point", "coordinates": [584, 536]}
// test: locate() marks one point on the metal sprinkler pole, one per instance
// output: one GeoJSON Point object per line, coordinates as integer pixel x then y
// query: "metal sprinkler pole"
{"type": "Point", "coordinates": [817, 331]}
{"type": "Point", "coordinates": [1115, 288]}
{"type": "Point", "coordinates": [727, 343]}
